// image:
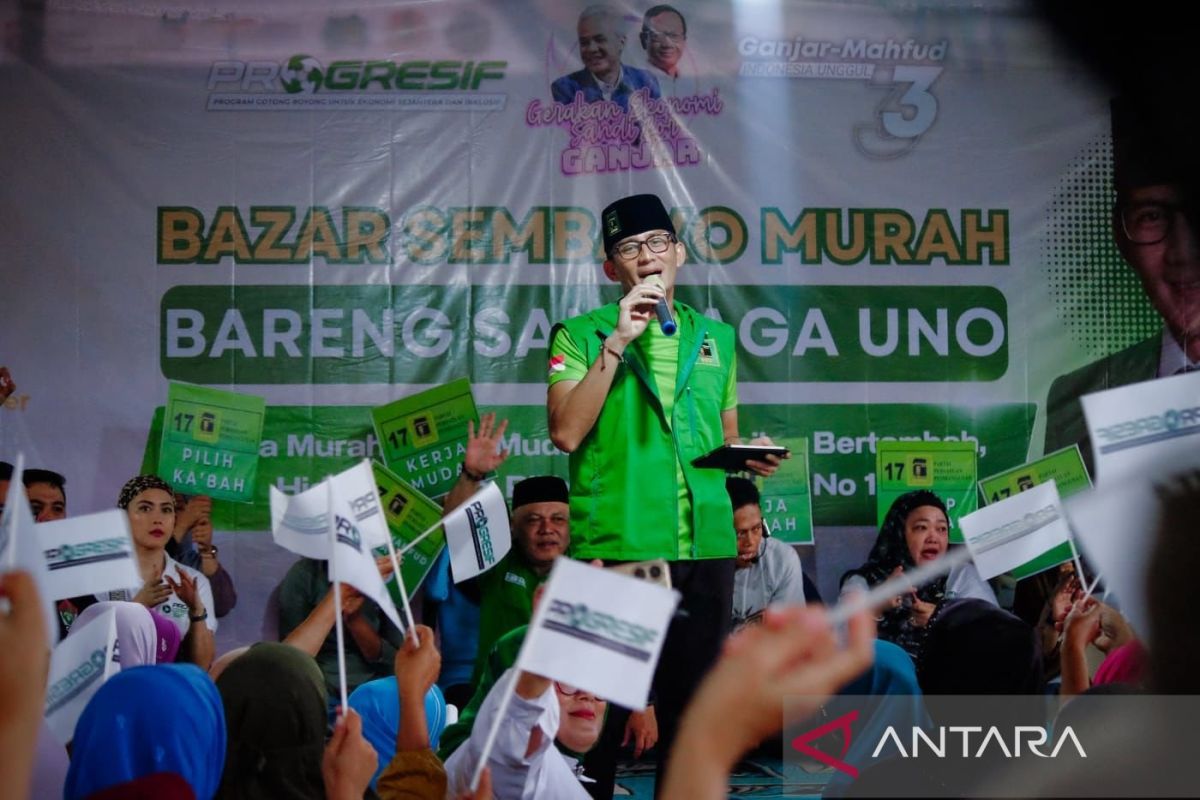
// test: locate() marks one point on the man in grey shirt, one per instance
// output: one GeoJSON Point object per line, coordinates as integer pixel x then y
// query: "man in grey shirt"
{"type": "Point", "coordinates": [767, 570]}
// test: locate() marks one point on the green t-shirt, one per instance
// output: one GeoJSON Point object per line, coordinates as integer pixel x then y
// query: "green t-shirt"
{"type": "Point", "coordinates": [661, 353]}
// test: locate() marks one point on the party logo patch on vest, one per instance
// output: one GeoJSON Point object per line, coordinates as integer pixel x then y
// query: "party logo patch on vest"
{"type": "Point", "coordinates": [708, 353]}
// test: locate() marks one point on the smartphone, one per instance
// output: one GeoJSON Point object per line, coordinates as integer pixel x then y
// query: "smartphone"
{"type": "Point", "coordinates": [655, 571]}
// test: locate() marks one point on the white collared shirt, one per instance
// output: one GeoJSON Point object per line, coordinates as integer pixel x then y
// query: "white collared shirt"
{"type": "Point", "coordinates": [1171, 358]}
{"type": "Point", "coordinates": [543, 773]}
{"type": "Point", "coordinates": [173, 608]}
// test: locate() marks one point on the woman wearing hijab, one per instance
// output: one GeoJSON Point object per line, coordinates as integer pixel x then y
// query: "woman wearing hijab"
{"type": "Point", "coordinates": [143, 636]}
{"type": "Point", "coordinates": [149, 720]}
{"type": "Point", "coordinates": [274, 698]}
{"type": "Point", "coordinates": [179, 593]}
{"type": "Point", "coordinates": [915, 531]}
{"type": "Point", "coordinates": [378, 703]}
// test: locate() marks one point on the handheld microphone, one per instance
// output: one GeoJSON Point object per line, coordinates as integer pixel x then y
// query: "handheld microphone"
{"type": "Point", "coordinates": [661, 309]}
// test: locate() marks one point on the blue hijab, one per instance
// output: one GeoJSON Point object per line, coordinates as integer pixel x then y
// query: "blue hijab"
{"type": "Point", "coordinates": [161, 718]}
{"type": "Point", "coordinates": [378, 703]}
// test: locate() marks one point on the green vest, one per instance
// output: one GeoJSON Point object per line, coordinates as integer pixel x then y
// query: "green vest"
{"type": "Point", "coordinates": [505, 602]}
{"type": "Point", "coordinates": [623, 490]}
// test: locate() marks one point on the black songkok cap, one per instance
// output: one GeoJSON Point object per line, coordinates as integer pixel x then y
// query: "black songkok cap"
{"type": "Point", "coordinates": [539, 489]}
{"type": "Point", "coordinates": [632, 215]}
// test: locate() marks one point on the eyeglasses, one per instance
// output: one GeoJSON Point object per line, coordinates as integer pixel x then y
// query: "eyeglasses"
{"type": "Point", "coordinates": [658, 243]}
{"type": "Point", "coordinates": [1150, 223]}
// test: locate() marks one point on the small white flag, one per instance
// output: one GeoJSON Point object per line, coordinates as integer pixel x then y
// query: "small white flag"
{"type": "Point", "coordinates": [79, 666]}
{"type": "Point", "coordinates": [599, 630]}
{"type": "Point", "coordinates": [88, 555]}
{"type": "Point", "coordinates": [1016, 530]}
{"type": "Point", "coordinates": [300, 522]}
{"type": "Point", "coordinates": [351, 560]}
{"type": "Point", "coordinates": [1135, 428]}
{"type": "Point", "coordinates": [19, 546]}
{"type": "Point", "coordinates": [477, 533]}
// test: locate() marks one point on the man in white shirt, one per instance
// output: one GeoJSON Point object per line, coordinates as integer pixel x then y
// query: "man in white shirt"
{"type": "Point", "coordinates": [664, 38]}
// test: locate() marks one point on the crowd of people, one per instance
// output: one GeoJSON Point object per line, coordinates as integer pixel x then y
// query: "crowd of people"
{"type": "Point", "coordinates": [633, 402]}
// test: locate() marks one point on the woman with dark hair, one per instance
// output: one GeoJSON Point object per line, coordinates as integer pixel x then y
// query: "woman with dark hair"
{"type": "Point", "coordinates": [916, 530]}
{"type": "Point", "coordinates": [179, 593]}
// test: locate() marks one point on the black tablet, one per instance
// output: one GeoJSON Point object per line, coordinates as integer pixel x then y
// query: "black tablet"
{"type": "Point", "coordinates": [733, 457]}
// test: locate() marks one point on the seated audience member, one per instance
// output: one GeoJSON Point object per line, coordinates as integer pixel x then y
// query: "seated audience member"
{"type": "Point", "coordinates": [502, 657]}
{"type": "Point", "coordinates": [795, 656]}
{"type": "Point", "coordinates": [413, 771]}
{"type": "Point", "coordinates": [143, 636]}
{"type": "Point", "coordinates": [915, 530]}
{"type": "Point", "coordinates": [275, 712]}
{"type": "Point", "coordinates": [768, 571]}
{"type": "Point", "coordinates": [1091, 622]}
{"type": "Point", "coordinates": [972, 648]}
{"type": "Point", "coordinates": [370, 638]}
{"type": "Point", "coordinates": [541, 528]}
{"type": "Point", "coordinates": [47, 493]}
{"type": "Point", "coordinates": [24, 662]}
{"type": "Point", "coordinates": [524, 761]}
{"type": "Point", "coordinates": [458, 626]}
{"type": "Point", "coordinates": [148, 720]}
{"type": "Point", "coordinates": [378, 703]}
{"type": "Point", "coordinates": [191, 544]}
{"type": "Point", "coordinates": [458, 615]}
{"type": "Point", "coordinates": [179, 593]}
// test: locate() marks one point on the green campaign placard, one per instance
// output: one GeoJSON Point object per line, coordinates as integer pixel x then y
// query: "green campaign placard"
{"type": "Point", "coordinates": [1065, 467]}
{"type": "Point", "coordinates": [409, 514]}
{"type": "Point", "coordinates": [424, 436]}
{"type": "Point", "coordinates": [210, 441]}
{"type": "Point", "coordinates": [787, 496]}
{"type": "Point", "coordinates": [946, 468]}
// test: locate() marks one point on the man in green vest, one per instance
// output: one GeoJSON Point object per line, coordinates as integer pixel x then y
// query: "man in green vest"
{"type": "Point", "coordinates": [633, 404]}
{"type": "Point", "coordinates": [541, 533]}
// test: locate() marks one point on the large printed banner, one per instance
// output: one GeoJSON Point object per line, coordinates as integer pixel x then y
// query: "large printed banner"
{"type": "Point", "coordinates": [903, 210]}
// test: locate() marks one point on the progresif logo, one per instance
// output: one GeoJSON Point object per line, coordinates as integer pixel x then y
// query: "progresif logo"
{"type": "Point", "coordinates": [75, 683]}
{"type": "Point", "coordinates": [480, 536]}
{"type": "Point", "coordinates": [601, 629]}
{"type": "Point", "coordinates": [1170, 424]}
{"type": "Point", "coordinates": [86, 553]}
{"type": "Point", "coordinates": [347, 532]}
{"type": "Point", "coordinates": [303, 81]}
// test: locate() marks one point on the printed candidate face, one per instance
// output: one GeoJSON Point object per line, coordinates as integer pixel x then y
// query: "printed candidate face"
{"type": "Point", "coordinates": [600, 47]}
{"type": "Point", "coordinates": [664, 40]}
{"type": "Point", "coordinates": [1169, 268]}
{"type": "Point", "coordinates": [152, 518]}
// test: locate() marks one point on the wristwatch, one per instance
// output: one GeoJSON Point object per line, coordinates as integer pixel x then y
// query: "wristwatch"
{"type": "Point", "coordinates": [475, 476]}
{"type": "Point", "coordinates": [203, 615]}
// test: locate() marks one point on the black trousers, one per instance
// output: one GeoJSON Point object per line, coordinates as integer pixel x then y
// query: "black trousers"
{"type": "Point", "coordinates": [694, 639]}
